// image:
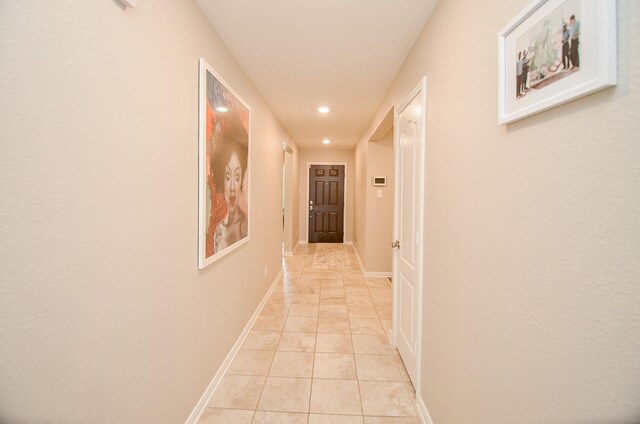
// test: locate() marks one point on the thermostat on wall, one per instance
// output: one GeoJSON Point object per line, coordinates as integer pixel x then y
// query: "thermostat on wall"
{"type": "Point", "coordinates": [379, 181]}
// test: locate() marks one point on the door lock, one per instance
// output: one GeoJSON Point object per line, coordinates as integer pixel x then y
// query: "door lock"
{"type": "Point", "coordinates": [395, 244]}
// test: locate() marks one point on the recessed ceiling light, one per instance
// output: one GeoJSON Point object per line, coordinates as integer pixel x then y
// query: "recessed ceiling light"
{"type": "Point", "coordinates": [326, 141]}
{"type": "Point", "coordinates": [323, 109]}
{"type": "Point", "coordinates": [221, 109]}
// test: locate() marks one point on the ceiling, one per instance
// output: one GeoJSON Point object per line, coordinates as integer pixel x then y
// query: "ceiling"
{"type": "Point", "coordinates": [302, 54]}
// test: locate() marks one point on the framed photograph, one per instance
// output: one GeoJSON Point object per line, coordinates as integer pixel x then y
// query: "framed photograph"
{"type": "Point", "coordinates": [224, 146]}
{"type": "Point", "coordinates": [555, 51]}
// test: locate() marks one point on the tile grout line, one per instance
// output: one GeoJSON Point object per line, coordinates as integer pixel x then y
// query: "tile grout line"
{"type": "Point", "coordinates": [313, 362]}
{"type": "Point", "coordinates": [270, 364]}
{"type": "Point", "coordinates": [255, 411]}
{"type": "Point", "coordinates": [356, 365]}
{"type": "Point", "coordinates": [326, 285]}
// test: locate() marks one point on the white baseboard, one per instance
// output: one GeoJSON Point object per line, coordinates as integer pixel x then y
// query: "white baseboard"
{"type": "Point", "coordinates": [423, 414]}
{"type": "Point", "coordinates": [372, 274]}
{"type": "Point", "coordinates": [365, 273]}
{"type": "Point", "coordinates": [293, 251]}
{"type": "Point", "coordinates": [307, 242]}
{"type": "Point", "coordinates": [197, 412]}
{"type": "Point", "coordinates": [355, 250]}
{"type": "Point", "coordinates": [348, 243]}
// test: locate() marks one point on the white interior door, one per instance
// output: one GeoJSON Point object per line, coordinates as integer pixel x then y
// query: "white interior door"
{"type": "Point", "coordinates": [407, 263]}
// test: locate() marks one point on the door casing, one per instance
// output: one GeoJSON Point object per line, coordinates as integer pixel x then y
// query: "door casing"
{"type": "Point", "coordinates": [344, 196]}
{"type": "Point", "coordinates": [420, 87]}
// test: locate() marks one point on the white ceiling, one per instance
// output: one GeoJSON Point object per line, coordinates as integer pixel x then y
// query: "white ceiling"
{"type": "Point", "coordinates": [302, 54]}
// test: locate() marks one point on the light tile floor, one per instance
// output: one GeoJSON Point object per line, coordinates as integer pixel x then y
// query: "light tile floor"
{"type": "Point", "coordinates": [319, 351]}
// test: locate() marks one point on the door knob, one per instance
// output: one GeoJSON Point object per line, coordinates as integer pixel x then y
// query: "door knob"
{"type": "Point", "coordinates": [395, 244]}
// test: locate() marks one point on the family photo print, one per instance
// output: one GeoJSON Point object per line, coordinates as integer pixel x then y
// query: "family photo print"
{"type": "Point", "coordinates": [553, 52]}
{"type": "Point", "coordinates": [550, 50]}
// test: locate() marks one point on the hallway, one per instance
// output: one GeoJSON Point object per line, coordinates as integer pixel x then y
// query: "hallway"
{"type": "Point", "coordinates": [151, 148]}
{"type": "Point", "coordinates": [319, 351]}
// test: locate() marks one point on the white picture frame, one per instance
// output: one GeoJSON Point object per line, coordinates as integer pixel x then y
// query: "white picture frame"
{"type": "Point", "coordinates": [224, 139]}
{"type": "Point", "coordinates": [538, 31]}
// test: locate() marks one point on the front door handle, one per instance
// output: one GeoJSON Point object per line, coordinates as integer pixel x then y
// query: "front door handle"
{"type": "Point", "coordinates": [395, 245]}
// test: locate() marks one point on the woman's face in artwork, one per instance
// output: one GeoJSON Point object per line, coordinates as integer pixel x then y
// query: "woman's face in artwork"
{"type": "Point", "coordinates": [232, 182]}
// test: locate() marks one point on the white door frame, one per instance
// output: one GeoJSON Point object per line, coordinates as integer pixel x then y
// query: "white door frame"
{"type": "Point", "coordinates": [420, 87]}
{"type": "Point", "coordinates": [344, 196]}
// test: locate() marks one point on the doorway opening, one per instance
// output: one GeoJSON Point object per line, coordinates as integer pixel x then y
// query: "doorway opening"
{"type": "Point", "coordinates": [288, 174]}
{"type": "Point", "coordinates": [284, 196]}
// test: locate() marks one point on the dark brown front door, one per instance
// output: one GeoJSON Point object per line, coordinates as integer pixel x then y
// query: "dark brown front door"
{"type": "Point", "coordinates": [326, 203]}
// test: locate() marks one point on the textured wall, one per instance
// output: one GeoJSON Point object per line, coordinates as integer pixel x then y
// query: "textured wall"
{"type": "Point", "coordinates": [532, 253]}
{"type": "Point", "coordinates": [379, 215]}
{"type": "Point", "coordinates": [374, 216]}
{"type": "Point", "coordinates": [327, 155]}
{"type": "Point", "coordinates": [104, 315]}
{"type": "Point", "coordinates": [360, 211]}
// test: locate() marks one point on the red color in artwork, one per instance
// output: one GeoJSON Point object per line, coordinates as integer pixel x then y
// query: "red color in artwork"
{"type": "Point", "coordinates": [211, 116]}
{"type": "Point", "coordinates": [218, 212]}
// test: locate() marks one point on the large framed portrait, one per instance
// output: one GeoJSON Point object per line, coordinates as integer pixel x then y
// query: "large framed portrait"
{"type": "Point", "coordinates": [553, 52]}
{"type": "Point", "coordinates": [224, 146]}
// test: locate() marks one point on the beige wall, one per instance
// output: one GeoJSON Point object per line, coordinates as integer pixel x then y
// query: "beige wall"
{"type": "Point", "coordinates": [360, 210]}
{"type": "Point", "coordinates": [379, 216]}
{"type": "Point", "coordinates": [104, 315]}
{"type": "Point", "coordinates": [327, 155]}
{"type": "Point", "coordinates": [374, 216]}
{"type": "Point", "coordinates": [532, 242]}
